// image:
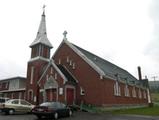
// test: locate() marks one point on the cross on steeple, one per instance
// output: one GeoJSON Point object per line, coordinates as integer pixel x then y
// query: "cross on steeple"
{"type": "Point", "coordinates": [44, 9]}
{"type": "Point", "coordinates": [64, 34]}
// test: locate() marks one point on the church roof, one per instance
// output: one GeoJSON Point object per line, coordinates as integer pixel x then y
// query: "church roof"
{"type": "Point", "coordinates": [104, 67]}
{"type": "Point", "coordinates": [42, 34]}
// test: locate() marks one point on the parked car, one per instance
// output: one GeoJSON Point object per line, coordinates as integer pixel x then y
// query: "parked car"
{"type": "Point", "coordinates": [52, 110]}
{"type": "Point", "coordinates": [17, 105]}
{"type": "Point", "coordinates": [2, 101]}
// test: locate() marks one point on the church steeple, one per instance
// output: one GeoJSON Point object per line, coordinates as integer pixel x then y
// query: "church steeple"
{"type": "Point", "coordinates": [41, 45]}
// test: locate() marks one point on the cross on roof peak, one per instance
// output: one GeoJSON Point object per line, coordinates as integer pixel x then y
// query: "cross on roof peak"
{"type": "Point", "coordinates": [44, 6]}
{"type": "Point", "coordinates": [64, 34]}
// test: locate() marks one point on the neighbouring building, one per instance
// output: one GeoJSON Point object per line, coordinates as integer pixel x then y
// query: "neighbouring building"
{"type": "Point", "coordinates": [74, 76]}
{"type": "Point", "coordinates": [13, 87]}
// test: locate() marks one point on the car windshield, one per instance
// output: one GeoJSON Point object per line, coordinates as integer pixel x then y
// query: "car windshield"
{"type": "Point", "coordinates": [53, 104]}
{"type": "Point", "coordinates": [9, 101]}
{"type": "Point", "coordinates": [2, 100]}
{"type": "Point", "coordinates": [46, 104]}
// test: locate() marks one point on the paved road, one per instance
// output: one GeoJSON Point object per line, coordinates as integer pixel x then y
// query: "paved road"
{"type": "Point", "coordinates": [83, 116]}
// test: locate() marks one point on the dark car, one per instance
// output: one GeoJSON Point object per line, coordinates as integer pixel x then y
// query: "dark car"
{"type": "Point", "coordinates": [52, 110]}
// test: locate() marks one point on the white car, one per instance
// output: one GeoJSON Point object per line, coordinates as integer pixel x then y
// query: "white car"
{"type": "Point", "coordinates": [2, 101]}
{"type": "Point", "coordinates": [17, 105]}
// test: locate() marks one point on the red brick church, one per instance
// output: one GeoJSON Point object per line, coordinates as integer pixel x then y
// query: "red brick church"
{"type": "Point", "coordinates": [74, 76]}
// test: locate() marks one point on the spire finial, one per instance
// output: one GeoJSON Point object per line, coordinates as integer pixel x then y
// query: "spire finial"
{"type": "Point", "coordinates": [44, 9]}
{"type": "Point", "coordinates": [64, 34]}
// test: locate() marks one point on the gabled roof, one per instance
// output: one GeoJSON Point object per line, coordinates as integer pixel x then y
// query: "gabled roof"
{"type": "Point", "coordinates": [42, 35]}
{"type": "Point", "coordinates": [102, 66]}
{"type": "Point", "coordinates": [67, 74]}
{"type": "Point", "coordinates": [51, 63]}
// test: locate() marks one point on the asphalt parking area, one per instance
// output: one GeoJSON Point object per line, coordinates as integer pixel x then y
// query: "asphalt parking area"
{"type": "Point", "coordinates": [82, 116]}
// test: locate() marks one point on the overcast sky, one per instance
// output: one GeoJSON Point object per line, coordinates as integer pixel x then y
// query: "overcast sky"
{"type": "Point", "coordinates": [124, 32]}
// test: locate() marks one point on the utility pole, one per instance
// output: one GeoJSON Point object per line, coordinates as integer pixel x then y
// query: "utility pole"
{"type": "Point", "coordinates": [154, 77]}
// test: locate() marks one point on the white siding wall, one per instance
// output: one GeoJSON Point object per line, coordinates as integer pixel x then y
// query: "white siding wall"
{"type": "Point", "coordinates": [14, 84]}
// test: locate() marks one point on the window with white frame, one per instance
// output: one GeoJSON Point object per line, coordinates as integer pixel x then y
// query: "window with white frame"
{"type": "Point", "coordinates": [73, 66]}
{"type": "Point", "coordinates": [82, 92]}
{"type": "Point", "coordinates": [55, 76]}
{"type": "Point", "coordinates": [32, 75]}
{"type": "Point", "coordinates": [126, 90]}
{"type": "Point", "coordinates": [139, 93]}
{"type": "Point", "coordinates": [70, 62]}
{"type": "Point", "coordinates": [67, 59]}
{"type": "Point", "coordinates": [59, 61]}
{"type": "Point", "coordinates": [133, 92]}
{"type": "Point", "coordinates": [117, 89]}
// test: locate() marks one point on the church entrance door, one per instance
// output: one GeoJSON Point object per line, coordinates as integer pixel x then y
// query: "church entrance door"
{"type": "Point", "coordinates": [70, 96]}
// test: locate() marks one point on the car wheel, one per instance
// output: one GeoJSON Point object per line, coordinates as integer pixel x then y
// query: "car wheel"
{"type": "Point", "coordinates": [56, 115]}
{"type": "Point", "coordinates": [70, 112]}
{"type": "Point", "coordinates": [11, 112]}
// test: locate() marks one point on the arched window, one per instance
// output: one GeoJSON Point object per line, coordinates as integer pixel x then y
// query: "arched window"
{"type": "Point", "coordinates": [133, 92]}
{"type": "Point", "coordinates": [117, 89]}
{"type": "Point", "coordinates": [126, 91]}
{"type": "Point", "coordinates": [139, 93]}
{"type": "Point", "coordinates": [30, 95]}
{"type": "Point", "coordinates": [144, 94]}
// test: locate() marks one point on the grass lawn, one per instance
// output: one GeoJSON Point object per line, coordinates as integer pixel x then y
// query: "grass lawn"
{"type": "Point", "coordinates": [152, 111]}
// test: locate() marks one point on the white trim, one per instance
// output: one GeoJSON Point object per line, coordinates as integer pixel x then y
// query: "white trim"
{"type": "Point", "coordinates": [93, 65]}
{"type": "Point", "coordinates": [148, 95]}
{"type": "Point", "coordinates": [61, 74]}
{"type": "Point", "coordinates": [39, 58]}
{"type": "Point", "coordinates": [56, 68]}
{"type": "Point", "coordinates": [32, 75]}
{"type": "Point", "coordinates": [22, 89]}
